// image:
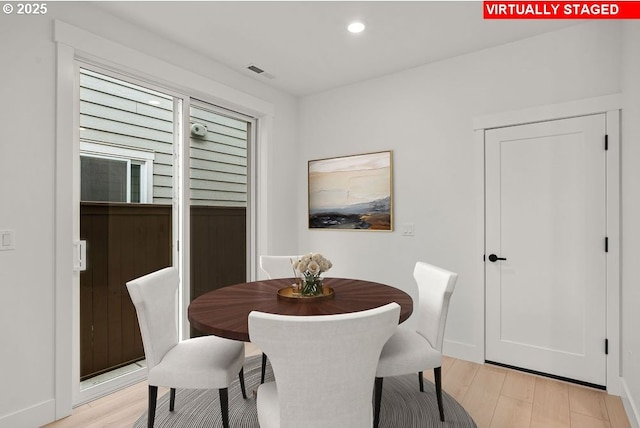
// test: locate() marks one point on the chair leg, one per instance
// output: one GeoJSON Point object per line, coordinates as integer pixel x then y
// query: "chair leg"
{"type": "Point", "coordinates": [172, 399]}
{"type": "Point", "coordinates": [153, 397]}
{"type": "Point", "coordinates": [421, 381]}
{"type": "Point", "coordinates": [437, 374]}
{"type": "Point", "coordinates": [224, 406]}
{"type": "Point", "coordinates": [264, 367]}
{"type": "Point", "coordinates": [241, 378]}
{"type": "Point", "coordinates": [377, 392]}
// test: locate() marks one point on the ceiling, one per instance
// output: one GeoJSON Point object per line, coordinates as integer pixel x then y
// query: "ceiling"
{"type": "Point", "coordinates": [304, 47]}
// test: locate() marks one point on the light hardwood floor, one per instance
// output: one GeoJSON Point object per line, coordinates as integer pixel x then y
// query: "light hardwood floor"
{"type": "Point", "coordinates": [495, 397]}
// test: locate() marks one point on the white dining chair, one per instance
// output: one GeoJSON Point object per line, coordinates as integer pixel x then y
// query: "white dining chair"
{"type": "Point", "coordinates": [278, 266]}
{"type": "Point", "coordinates": [275, 267]}
{"type": "Point", "coordinates": [324, 366]}
{"type": "Point", "coordinates": [415, 350]}
{"type": "Point", "coordinates": [207, 362]}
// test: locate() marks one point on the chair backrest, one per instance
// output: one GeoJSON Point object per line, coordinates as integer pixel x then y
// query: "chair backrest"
{"type": "Point", "coordinates": [278, 266]}
{"type": "Point", "coordinates": [324, 365]}
{"type": "Point", "coordinates": [435, 286]}
{"type": "Point", "coordinates": [155, 298]}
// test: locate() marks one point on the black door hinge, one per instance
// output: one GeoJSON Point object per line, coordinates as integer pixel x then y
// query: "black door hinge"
{"type": "Point", "coordinates": [606, 346]}
{"type": "Point", "coordinates": [606, 244]}
{"type": "Point", "coordinates": [606, 141]}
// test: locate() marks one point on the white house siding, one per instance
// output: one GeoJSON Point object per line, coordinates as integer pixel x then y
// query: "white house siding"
{"type": "Point", "coordinates": [118, 114]}
{"type": "Point", "coordinates": [219, 160]}
{"type": "Point", "coordinates": [115, 114]}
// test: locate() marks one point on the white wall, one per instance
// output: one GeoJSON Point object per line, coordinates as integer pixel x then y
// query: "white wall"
{"type": "Point", "coordinates": [27, 173]}
{"type": "Point", "coordinates": [425, 116]}
{"type": "Point", "coordinates": [631, 218]}
{"type": "Point", "coordinates": [26, 191]}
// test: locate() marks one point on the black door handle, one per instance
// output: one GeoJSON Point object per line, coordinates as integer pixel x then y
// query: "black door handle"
{"type": "Point", "coordinates": [494, 258]}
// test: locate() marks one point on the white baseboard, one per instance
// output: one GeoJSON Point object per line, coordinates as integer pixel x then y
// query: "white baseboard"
{"type": "Point", "coordinates": [629, 405]}
{"type": "Point", "coordinates": [34, 416]}
{"type": "Point", "coordinates": [463, 351]}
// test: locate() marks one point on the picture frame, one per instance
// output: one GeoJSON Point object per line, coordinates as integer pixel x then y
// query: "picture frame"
{"type": "Point", "coordinates": [351, 192]}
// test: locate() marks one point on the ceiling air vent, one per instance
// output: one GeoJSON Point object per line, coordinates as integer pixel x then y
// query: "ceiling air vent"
{"type": "Point", "coordinates": [255, 69]}
{"type": "Point", "coordinates": [260, 71]}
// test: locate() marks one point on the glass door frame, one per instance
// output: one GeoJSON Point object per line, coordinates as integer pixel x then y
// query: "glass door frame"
{"type": "Point", "coordinates": [180, 217]}
{"type": "Point", "coordinates": [184, 228]}
{"type": "Point", "coordinates": [81, 396]}
{"type": "Point", "coordinates": [75, 44]}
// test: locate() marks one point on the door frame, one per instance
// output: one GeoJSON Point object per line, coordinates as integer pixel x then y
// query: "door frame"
{"type": "Point", "coordinates": [610, 105]}
{"type": "Point", "coordinates": [73, 43]}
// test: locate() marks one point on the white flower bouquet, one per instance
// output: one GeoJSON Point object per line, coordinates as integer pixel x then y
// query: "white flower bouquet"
{"type": "Point", "coordinates": [310, 267]}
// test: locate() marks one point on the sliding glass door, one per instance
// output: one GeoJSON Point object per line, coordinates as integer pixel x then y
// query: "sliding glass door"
{"type": "Point", "coordinates": [163, 180]}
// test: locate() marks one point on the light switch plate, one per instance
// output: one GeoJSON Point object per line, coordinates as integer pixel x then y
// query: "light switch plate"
{"type": "Point", "coordinates": [408, 229]}
{"type": "Point", "coordinates": [7, 240]}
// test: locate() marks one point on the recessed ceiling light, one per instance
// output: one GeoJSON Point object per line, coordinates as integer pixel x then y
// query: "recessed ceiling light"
{"type": "Point", "coordinates": [154, 102]}
{"type": "Point", "coordinates": [356, 27]}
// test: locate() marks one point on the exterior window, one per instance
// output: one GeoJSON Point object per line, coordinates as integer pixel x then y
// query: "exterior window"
{"type": "Point", "coordinates": [103, 180]}
{"type": "Point", "coordinates": [114, 174]}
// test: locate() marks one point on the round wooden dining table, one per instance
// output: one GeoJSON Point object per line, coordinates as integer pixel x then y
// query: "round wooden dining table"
{"type": "Point", "coordinates": [225, 312]}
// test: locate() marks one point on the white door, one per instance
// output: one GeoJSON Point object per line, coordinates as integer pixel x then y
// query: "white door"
{"type": "Point", "coordinates": [545, 214]}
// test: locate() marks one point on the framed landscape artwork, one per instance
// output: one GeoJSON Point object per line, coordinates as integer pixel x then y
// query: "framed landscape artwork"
{"type": "Point", "coordinates": [351, 192]}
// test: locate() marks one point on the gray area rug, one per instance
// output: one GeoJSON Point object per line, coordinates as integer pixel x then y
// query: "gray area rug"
{"type": "Point", "coordinates": [403, 405]}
